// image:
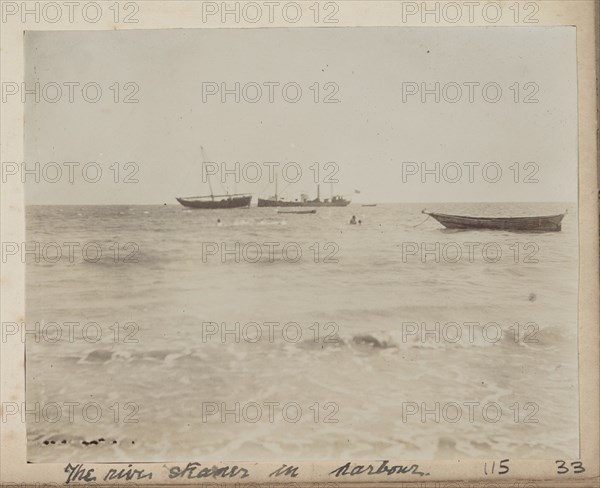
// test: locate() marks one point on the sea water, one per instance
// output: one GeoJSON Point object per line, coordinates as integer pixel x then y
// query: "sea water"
{"type": "Point", "coordinates": [398, 349]}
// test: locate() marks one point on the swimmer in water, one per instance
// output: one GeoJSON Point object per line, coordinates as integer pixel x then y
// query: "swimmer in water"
{"type": "Point", "coordinates": [353, 220]}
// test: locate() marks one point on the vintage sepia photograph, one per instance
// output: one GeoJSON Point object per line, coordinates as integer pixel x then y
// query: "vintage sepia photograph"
{"type": "Point", "coordinates": [341, 243]}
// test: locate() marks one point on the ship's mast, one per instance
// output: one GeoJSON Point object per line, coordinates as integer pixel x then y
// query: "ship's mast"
{"type": "Point", "coordinates": [276, 188]}
{"type": "Point", "coordinates": [318, 192]}
{"type": "Point", "coordinates": [212, 196]}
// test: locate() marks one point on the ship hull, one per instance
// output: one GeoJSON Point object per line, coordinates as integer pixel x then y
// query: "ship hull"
{"type": "Point", "coordinates": [308, 203]}
{"type": "Point", "coordinates": [217, 203]}
{"type": "Point", "coordinates": [551, 223]}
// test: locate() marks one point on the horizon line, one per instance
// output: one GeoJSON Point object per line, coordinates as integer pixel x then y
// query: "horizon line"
{"type": "Point", "coordinates": [255, 206]}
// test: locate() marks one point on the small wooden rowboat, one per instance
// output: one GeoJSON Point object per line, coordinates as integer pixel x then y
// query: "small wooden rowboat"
{"type": "Point", "coordinates": [549, 223]}
{"type": "Point", "coordinates": [297, 211]}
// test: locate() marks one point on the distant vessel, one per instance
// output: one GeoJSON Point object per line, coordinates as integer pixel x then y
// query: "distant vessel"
{"type": "Point", "coordinates": [212, 201]}
{"type": "Point", "coordinates": [216, 201]}
{"type": "Point", "coordinates": [369, 204]}
{"type": "Point", "coordinates": [549, 223]}
{"type": "Point", "coordinates": [334, 201]}
{"type": "Point", "coordinates": [297, 211]}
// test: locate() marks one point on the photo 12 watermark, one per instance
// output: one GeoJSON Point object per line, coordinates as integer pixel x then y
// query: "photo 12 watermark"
{"type": "Point", "coordinates": [270, 332]}
{"type": "Point", "coordinates": [53, 12]}
{"type": "Point", "coordinates": [270, 252]}
{"type": "Point", "coordinates": [70, 412]}
{"type": "Point", "coordinates": [71, 171]}
{"type": "Point", "coordinates": [251, 12]}
{"type": "Point", "coordinates": [289, 92]}
{"type": "Point", "coordinates": [470, 252]}
{"type": "Point", "coordinates": [71, 332]}
{"type": "Point", "coordinates": [270, 412]}
{"type": "Point", "coordinates": [472, 172]}
{"type": "Point", "coordinates": [71, 92]}
{"type": "Point", "coordinates": [70, 252]}
{"type": "Point", "coordinates": [516, 12]}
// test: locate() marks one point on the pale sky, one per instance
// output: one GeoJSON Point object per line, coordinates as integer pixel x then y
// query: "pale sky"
{"type": "Point", "coordinates": [369, 134]}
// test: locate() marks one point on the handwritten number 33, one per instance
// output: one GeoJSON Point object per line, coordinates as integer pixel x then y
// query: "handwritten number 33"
{"type": "Point", "coordinates": [563, 469]}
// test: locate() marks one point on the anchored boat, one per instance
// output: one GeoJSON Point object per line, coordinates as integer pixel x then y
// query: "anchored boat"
{"type": "Point", "coordinates": [217, 201]}
{"type": "Point", "coordinates": [275, 201]}
{"type": "Point", "coordinates": [297, 211]}
{"type": "Point", "coordinates": [548, 223]}
{"type": "Point", "coordinates": [211, 202]}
